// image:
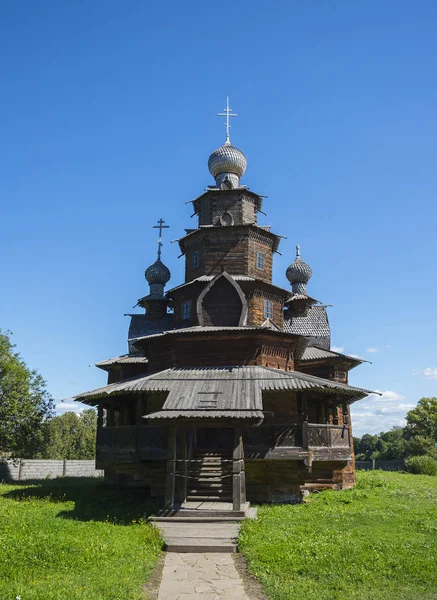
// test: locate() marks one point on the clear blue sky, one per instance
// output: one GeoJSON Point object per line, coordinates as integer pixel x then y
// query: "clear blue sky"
{"type": "Point", "coordinates": [108, 116]}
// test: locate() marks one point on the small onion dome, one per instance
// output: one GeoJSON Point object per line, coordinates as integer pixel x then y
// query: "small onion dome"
{"type": "Point", "coordinates": [227, 161]}
{"type": "Point", "coordinates": [299, 273]}
{"type": "Point", "coordinates": [157, 273]}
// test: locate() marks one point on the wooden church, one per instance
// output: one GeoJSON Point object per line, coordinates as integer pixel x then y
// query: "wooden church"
{"type": "Point", "coordinates": [229, 391]}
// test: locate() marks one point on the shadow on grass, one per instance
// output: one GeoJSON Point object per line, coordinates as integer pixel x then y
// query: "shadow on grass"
{"type": "Point", "coordinates": [93, 501]}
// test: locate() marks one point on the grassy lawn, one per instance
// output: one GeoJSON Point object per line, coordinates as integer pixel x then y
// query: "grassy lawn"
{"type": "Point", "coordinates": [74, 539]}
{"type": "Point", "coordinates": [378, 541]}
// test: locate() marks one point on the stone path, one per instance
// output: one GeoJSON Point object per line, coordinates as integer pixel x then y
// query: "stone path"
{"type": "Point", "coordinates": [200, 576]}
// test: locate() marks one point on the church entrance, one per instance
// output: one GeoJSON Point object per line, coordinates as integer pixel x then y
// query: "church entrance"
{"type": "Point", "coordinates": [214, 439]}
{"type": "Point", "coordinates": [210, 472]}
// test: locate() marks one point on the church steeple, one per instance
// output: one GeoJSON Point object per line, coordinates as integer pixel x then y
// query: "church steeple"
{"type": "Point", "coordinates": [157, 275]}
{"type": "Point", "coordinates": [227, 164]}
{"type": "Point", "coordinates": [298, 274]}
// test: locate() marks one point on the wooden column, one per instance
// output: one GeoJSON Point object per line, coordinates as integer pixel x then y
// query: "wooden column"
{"type": "Point", "coordinates": [184, 469]}
{"type": "Point", "coordinates": [304, 409]}
{"type": "Point", "coordinates": [100, 415]}
{"type": "Point", "coordinates": [139, 410]}
{"type": "Point", "coordinates": [322, 413]}
{"type": "Point", "coordinates": [170, 484]}
{"type": "Point", "coordinates": [111, 416]}
{"type": "Point", "coordinates": [345, 414]}
{"type": "Point", "coordinates": [238, 475]}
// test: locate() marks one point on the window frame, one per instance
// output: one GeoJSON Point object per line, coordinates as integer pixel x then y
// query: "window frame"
{"type": "Point", "coordinates": [260, 260]}
{"type": "Point", "coordinates": [268, 309]}
{"type": "Point", "coordinates": [186, 309]}
{"type": "Point", "coordinates": [195, 260]}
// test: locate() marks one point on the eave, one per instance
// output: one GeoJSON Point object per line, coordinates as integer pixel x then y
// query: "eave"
{"type": "Point", "coordinates": [252, 380]}
{"type": "Point", "coordinates": [275, 238]}
{"type": "Point", "coordinates": [124, 359]}
{"type": "Point", "coordinates": [243, 280]}
{"type": "Point", "coordinates": [242, 191]}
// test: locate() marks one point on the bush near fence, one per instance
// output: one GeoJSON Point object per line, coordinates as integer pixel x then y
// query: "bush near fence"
{"type": "Point", "coordinates": [23, 468]}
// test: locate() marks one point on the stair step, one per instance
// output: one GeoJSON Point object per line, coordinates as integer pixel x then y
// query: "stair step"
{"type": "Point", "coordinates": [205, 488]}
{"type": "Point", "coordinates": [210, 483]}
{"type": "Point", "coordinates": [209, 498]}
{"type": "Point", "coordinates": [199, 545]}
{"type": "Point", "coordinates": [198, 519]}
{"type": "Point", "coordinates": [208, 480]}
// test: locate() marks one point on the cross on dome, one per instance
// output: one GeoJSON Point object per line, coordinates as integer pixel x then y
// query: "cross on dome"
{"type": "Point", "coordinates": [227, 113]}
{"type": "Point", "coordinates": [160, 226]}
{"type": "Point", "coordinates": [227, 164]}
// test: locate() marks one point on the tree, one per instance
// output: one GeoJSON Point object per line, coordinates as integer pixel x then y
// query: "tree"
{"type": "Point", "coordinates": [422, 420]}
{"type": "Point", "coordinates": [393, 444]}
{"type": "Point", "coordinates": [70, 436]}
{"type": "Point", "coordinates": [366, 447]}
{"type": "Point", "coordinates": [25, 403]}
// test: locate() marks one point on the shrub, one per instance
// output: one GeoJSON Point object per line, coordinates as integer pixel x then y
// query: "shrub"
{"type": "Point", "coordinates": [421, 465]}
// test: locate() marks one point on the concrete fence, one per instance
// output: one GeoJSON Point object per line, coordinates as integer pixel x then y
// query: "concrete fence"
{"type": "Point", "coordinates": [26, 468]}
{"type": "Point", "coordinates": [384, 465]}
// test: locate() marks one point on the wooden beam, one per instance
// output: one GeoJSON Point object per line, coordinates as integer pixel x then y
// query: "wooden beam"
{"type": "Point", "coordinates": [100, 415]}
{"type": "Point", "coordinates": [238, 480]}
{"type": "Point", "coordinates": [171, 469]}
{"type": "Point", "coordinates": [305, 434]}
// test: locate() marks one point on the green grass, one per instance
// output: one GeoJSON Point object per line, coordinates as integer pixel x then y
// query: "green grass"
{"type": "Point", "coordinates": [377, 541]}
{"type": "Point", "coordinates": [70, 539]}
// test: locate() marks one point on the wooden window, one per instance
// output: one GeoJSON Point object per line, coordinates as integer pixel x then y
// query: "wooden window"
{"type": "Point", "coordinates": [186, 310]}
{"type": "Point", "coordinates": [260, 260]}
{"type": "Point", "coordinates": [268, 309]}
{"type": "Point", "coordinates": [195, 260]}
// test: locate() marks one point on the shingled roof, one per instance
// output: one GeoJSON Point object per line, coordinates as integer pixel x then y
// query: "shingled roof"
{"type": "Point", "coordinates": [124, 359]}
{"type": "Point", "coordinates": [141, 326]}
{"type": "Point", "coordinates": [314, 326]}
{"type": "Point", "coordinates": [315, 353]}
{"type": "Point", "coordinates": [221, 389]}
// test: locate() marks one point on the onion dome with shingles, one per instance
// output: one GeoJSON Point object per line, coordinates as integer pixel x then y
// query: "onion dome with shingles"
{"type": "Point", "coordinates": [298, 274]}
{"type": "Point", "coordinates": [227, 164]}
{"type": "Point", "coordinates": [157, 275]}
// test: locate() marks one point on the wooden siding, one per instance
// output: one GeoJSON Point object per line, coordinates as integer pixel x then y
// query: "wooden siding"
{"type": "Point", "coordinates": [229, 249]}
{"type": "Point", "coordinates": [217, 350]}
{"type": "Point", "coordinates": [222, 305]}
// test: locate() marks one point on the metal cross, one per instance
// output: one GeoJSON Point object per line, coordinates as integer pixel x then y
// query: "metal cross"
{"type": "Point", "coordinates": [160, 226]}
{"type": "Point", "coordinates": [298, 251]}
{"type": "Point", "coordinates": [227, 113]}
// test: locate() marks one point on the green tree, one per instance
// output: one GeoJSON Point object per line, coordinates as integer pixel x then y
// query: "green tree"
{"type": "Point", "coordinates": [393, 444]}
{"type": "Point", "coordinates": [25, 403]}
{"type": "Point", "coordinates": [70, 436]}
{"type": "Point", "coordinates": [422, 420]}
{"type": "Point", "coordinates": [367, 446]}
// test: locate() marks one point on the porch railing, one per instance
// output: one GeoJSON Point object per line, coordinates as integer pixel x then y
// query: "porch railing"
{"type": "Point", "coordinates": [326, 436]}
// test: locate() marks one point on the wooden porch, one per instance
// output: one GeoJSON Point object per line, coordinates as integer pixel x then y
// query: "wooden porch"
{"type": "Point", "coordinates": [218, 474]}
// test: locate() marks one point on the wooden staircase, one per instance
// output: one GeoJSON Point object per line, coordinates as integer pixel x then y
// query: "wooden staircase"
{"type": "Point", "coordinates": [210, 476]}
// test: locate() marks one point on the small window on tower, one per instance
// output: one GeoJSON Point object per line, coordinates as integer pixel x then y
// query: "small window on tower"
{"type": "Point", "coordinates": [195, 261]}
{"type": "Point", "coordinates": [268, 309]}
{"type": "Point", "coordinates": [186, 310]}
{"type": "Point", "coordinates": [260, 260]}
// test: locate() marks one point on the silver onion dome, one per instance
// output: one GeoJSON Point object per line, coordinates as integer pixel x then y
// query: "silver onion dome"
{"type": "Point", "coordinates": [157, 273]}
{"type": "Point", "coordinates": [298, 274]}
{"type": "Point", "coordinates": [227, 164]}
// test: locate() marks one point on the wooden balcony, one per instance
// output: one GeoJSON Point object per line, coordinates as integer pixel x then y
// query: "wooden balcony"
{"type": "Point", "coordinates": [297, 441]}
